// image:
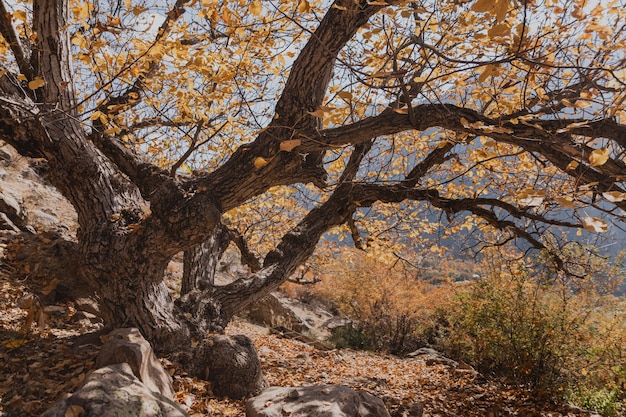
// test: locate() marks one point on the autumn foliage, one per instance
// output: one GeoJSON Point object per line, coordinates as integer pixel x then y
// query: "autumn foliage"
{"type": "Point", "coordinates": [560, 336]}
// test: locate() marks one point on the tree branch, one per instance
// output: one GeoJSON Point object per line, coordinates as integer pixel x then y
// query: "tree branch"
{"type": "Point", "coordinates": [130, 97]}
{"type": "Point", "coordinates": [12, 38]}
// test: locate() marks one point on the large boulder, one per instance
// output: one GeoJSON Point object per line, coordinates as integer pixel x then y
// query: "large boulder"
{"type": "Point", "coordinates": [232, 364]}
{"type": "Point", "coordinates": [128, 346]}
{"type": "Point", "coordinates": [315, 401]}
{"type": "Point", "coordinates": [115, 391]}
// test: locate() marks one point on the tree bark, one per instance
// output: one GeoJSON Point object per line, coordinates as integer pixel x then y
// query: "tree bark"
{"type": "Point", "coordinates": [201, 261]}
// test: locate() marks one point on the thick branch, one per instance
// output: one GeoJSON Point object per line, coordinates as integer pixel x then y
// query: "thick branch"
{"type": "Point", "coordinates": [312, 70]}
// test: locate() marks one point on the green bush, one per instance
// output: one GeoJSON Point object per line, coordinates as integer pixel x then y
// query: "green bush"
{"type": "Point", "coordinates": [603, 401]}
{"type": "Point", "coordinates": [350, 337]}
{"type": "Point", "coordinates": [547, 331]}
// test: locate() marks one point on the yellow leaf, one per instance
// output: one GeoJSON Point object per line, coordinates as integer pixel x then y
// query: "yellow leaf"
{"type": "Point", "coordinates": [488, 71]}
{"type": "Point", "coordinates": [20, 15]}
{"type": "Point", "coordinates": [382, 74]}
{"type": "Point", "coordinates": [36, 83]}
{"type": "Point", "coordinates": [304, 6]}
{"type": "Point", "coordinates": [256, 8]}
{"type": "Point", "coordinates": [599, 157]}
{"type": "Point", "coordinates": [79, 40]}
{"type": "Point", "coordinates": [319, 112]}
{"type": "Point", "coordinates": [22, 77]}
{"type": "Point", "coordinates": [565, 202]}
{"type": "Point", "coordinates": [530, 198]}
{"type": "Point", "coordinates": [482, 6]}
{"type": "Point", "coordinates": [500, 9]}
{"type": "Point", "coordinates": [594, 224]}
{"type": "Point", "coordinates": [346, 95]}
{"type": "Point", "coordinates": [571, 166]}
{"type": "Point", "coordinates": [501, 29]}
{"type": "Point", "coordinates": [289, 145]}
{"type": "Point", "coordinates": [260, 162]}
{"type": "Point", "coordinates": [403, 110]}
{"type": "Point", "coordinates": [96, 115]}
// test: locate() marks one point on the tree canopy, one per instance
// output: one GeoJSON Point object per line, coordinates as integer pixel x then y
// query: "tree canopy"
{"type": "Point", "coordinates": [285, 120]}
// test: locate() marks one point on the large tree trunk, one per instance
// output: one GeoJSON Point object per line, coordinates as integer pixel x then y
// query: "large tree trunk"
{"type": "Point", "coordinates": [134, 217]}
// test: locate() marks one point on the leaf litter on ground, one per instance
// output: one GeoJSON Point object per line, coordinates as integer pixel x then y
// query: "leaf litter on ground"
{"type": "Point", "coordinates": [40, 366]}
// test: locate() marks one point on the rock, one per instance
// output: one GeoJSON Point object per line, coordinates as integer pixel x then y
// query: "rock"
{"type": "Point", "coordinates": [7, 224]}
{"type": "Point", "coordinates": [43, 258]}
{"type": "Point", "coordinates": [423, 351]}
{"type": "Point", "coordinates": [315, 401]}
{"type": "Point", "coordinates": [271, 312]}
{"type": "Point", "coordinates": [12, 208]}
{"type": "Point", "coordinates": [86, 319]}
{"type": "Point", "coordinates": [411, 410]}
{"type": "Point", "coordinates": [7, 153]}
{"type": "Point", "coordinates": [54, 310]}
{"type": "Point", "coordinates": [88, 305]}
{"type": "Point", "coordinates": [441, 360]}
{"type": "Point", "coordinates": [432, 357]}
{"type": "Point", "coordinates": [128, 346]}
{"type": "Point", "coordinates": [43, 218]}
{"type": "Point", "coordinates": [232, 364]}
{"type": "Point", "coordinates": [115, 391]}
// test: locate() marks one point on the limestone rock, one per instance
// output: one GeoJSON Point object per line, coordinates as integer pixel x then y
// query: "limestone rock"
{"type": "Point", "coordinates": [43, 219]}
{"type": "Point", "coordinates": [12, 209]}
{"type": "Point", "coordinates": [432, 357]}
{"type": "Point", "coordinates": [271, 312]}
{"type": "Point", "coordinates": [115, 391]}
{"type": "Point", "coordinates": [128, 346]}
{"type": "Point", "coordinates": [7, 224]}
{"type": "Point", "coordinates": [232, 364]}
{"type": "Point", "coordinates": [7, 153]}
{"type": "Point", "coordinates": [315, 401]}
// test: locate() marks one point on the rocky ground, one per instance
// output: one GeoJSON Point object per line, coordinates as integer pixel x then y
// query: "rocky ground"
{"type": "Point", "coordinates": [41, 365]}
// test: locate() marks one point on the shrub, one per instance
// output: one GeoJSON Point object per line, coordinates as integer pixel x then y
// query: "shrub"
{"type": "Point", "coordinates": [389, 307]}
{"type": "Point", "coordinates": [542, 329]}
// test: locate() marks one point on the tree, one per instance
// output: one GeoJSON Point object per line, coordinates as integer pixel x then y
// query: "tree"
{"type": "Point", "coordinates": [176, 130]}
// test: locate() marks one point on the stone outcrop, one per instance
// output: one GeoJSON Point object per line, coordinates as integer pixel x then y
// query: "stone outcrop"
{"type": "Point", "coordinates": [12, 217]}
{"type": "Point", "coordinates": [115, 391]}
{"type": "Point", "coordinates": [271, 312]}
{"type": "Point", "coordinates": [315, 401]}
{"type": "Point", "coordinates": [128, 346]}
{"type": "Point", "coordinates": [232, 364]}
